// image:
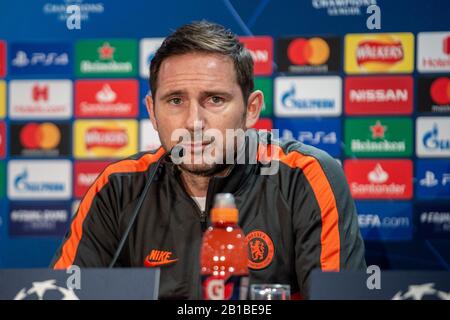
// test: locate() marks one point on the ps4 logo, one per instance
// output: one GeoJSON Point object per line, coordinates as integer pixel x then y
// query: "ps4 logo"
{"type": "Point", "coordinates": [432, 141]}
{"type": "Point", "coordinates": [40, 58]}
{"type": "Point", "coordinates": [309, 137]}
{"type": "Point", "coordinates": [430, 180]}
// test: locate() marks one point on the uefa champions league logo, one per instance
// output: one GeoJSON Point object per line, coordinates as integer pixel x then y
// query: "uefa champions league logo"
{"type": "Point", "coordinates": [46, 290]}
{"type": "Point", "coordinates": [424, 291]}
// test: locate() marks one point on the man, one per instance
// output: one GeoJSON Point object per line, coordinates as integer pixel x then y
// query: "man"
{"type": "Point", "coordinates": [300, 217]}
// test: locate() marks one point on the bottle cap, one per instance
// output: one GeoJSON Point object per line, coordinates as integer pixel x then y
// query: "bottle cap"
{"type": "Point", "coordinates": [224, 209]}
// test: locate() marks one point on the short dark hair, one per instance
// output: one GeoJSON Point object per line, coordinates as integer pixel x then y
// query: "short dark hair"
{"type": "Point", "coordinates": [207, 37]}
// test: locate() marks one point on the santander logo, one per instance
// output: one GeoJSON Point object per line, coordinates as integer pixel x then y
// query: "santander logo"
{"type": "Point", "coordinates": [378, 175]}
{"type": "Point", "coordinates": [106, 94]}
{"type": "Point", "coordinates": [380, 179]}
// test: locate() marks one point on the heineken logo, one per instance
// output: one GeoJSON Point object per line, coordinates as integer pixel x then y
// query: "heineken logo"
{"type": "Point", "coordinates": [378, 130]}
{"type": "Point", "coordinates": [106, 58]}
{"type": "Point", "coordinates": [106, 51]}
{"type": "Point", "coordinates": [380, 137]}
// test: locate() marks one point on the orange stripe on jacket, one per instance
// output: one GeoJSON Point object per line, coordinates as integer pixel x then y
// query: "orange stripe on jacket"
{"type": "Point", "coordinates": [70, 247]}
{"type": "Point", "coordinates": [329, 238]}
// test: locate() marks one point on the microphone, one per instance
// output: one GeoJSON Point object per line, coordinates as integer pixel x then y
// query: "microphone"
{"type": "Point", "coordinates": [139, 205]}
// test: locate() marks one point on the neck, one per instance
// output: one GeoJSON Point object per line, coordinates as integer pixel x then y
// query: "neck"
{"type": "Point", "coordinates": [197, 185]}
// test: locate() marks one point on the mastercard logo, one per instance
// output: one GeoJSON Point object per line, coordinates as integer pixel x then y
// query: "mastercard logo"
{"type": "Point", "coordinates": [40, 136]}
{"type": "Point", "coordinates": [314, 51]}
{"type": "Point", "coordinates": [440, 90]}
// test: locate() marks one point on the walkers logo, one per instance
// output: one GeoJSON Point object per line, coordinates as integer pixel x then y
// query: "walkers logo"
{"type": "Point", "coordinates": [378, 137]}
{"type": "Point", "coordinates": [39, 58]}
{"type": "Point", "coordinates": [32, 180]}
{"type": "Point", "coordinates": [309, 55]}
{"type": "Point", "coordinates": [40, 99]}
{"type": "Point", "coordinates": [261, 250]}
{"type": "Point", "coordinates": [149, 138]}
{"type": "Point", "coordinates": [385, 221]}
{"type": "Point", "coordinates": [106, 58]}
{"type": "Point", "coordinates": [308, 96]}
{"type": "Point", "coordinates": [158, 258]}
{"type": "Point", "coordinates": [85, 173]}
{"type": "Point", "coordinates": [2, 59]}
{"type": "Point", "coordinates": [264, 124]}
{"type": "Point", "coordinates": [323, 134]}
{"type": "Point", "coordinates": [2, 99]}
{"type": "Point", "coordinates": [147, 50]}
{"type": "Point", "coordinates": [379, 95]}
{"type": "Point", "coordinates": [379, 179]}
{"type": "Point", "coordinates": [434, 94]}
{"type": "Point", "coordinates": [43, 139]}
{"type": "Point", "coordinates": [2, 140]}
{"type": "Point", "coordinates": [265, 85]}
{"type": "Point", "coordinates": [38, 219]}
{"type": "Point", "coordinates": [103, 99]}
{"type": "Point", "coordinates": [261, 50]}
{"type": "Point", "coordinates": [433, 52]}
{"type": "Point", "coordinates": [433, 220]}
{"type": "Point", "coordinates": [433, 136]}
{"type": "Point", "coordinates": [105, 139]}
{"type": "Point", "coordinates": [433, 178]}
{"type": "Point", "coordinates": [379, 53]}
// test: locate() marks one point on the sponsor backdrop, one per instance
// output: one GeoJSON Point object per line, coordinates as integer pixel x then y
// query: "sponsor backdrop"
{"type": "Point", "coordinates": [72, 101]}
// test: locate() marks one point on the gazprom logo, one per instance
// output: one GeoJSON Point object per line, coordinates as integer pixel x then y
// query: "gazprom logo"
{"type": "Point", "coordinates": [432, 140]}
{"type": "Point", "coordinates": [21, 183]}
{"type": "Point", "coordinates": [39, 179]}
{"type": "Point", "coordinates": [289, 100]}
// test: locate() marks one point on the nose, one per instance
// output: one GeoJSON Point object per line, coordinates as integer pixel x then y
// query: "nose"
{"type": "Point", "coordinates": [195, 120]}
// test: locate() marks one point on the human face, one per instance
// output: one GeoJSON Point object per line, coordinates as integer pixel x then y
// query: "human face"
{"type": "Point", "coordinates": [198, 92]}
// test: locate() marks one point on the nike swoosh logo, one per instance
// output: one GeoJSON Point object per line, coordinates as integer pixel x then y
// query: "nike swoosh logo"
{"type": "Point", "coordinates": [160, 263]}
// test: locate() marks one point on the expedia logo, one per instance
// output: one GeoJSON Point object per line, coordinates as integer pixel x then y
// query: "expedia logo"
{"type": "Point", "coordinates": [106, 138]}
{"type": "Point", "coordinates": [261, 250]}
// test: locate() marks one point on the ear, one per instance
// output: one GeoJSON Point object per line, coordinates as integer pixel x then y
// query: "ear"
{"type": "Point", "coordinates": [254, 105]}
{"type": "Point", "coordinates": [151, 110]}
